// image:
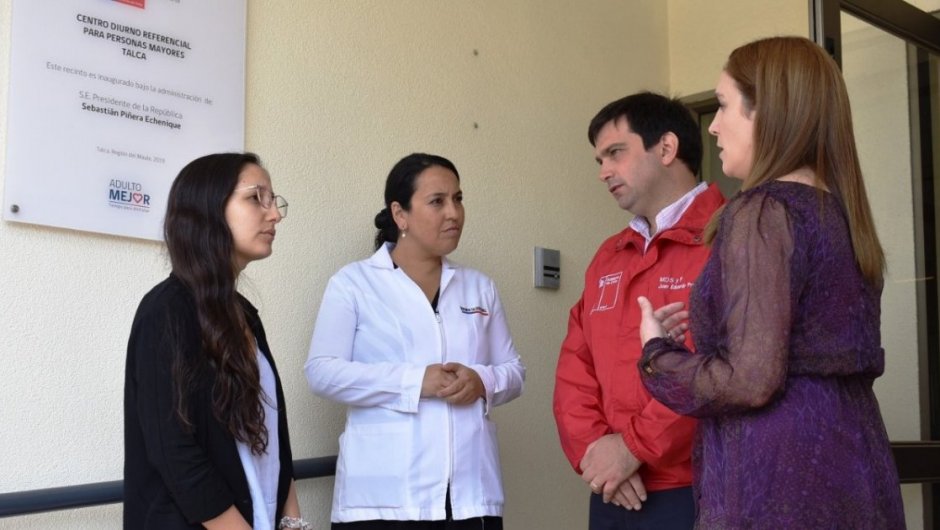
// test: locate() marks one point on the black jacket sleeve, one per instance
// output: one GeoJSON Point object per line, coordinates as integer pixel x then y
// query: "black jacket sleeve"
{"type": "Point", "coordinates": [165, 328]}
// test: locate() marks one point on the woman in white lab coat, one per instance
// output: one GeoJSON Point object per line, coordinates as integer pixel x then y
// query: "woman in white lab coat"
{"type": "Point", "coordinates": [419, 349]}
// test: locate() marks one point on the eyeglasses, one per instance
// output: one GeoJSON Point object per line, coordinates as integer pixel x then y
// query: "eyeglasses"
{"type": "Point", "coordinates": [266, 198]}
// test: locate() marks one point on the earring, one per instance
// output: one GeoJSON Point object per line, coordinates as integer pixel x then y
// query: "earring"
{"type": "Point", "coordinates": [404, 232]}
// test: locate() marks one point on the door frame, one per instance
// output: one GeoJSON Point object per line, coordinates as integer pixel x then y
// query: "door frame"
{"type": "Point", "coordinates": [918, 462]}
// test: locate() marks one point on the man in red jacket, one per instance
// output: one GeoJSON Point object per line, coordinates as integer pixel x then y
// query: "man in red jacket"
{"type": "Point", "coordinates": [632, 451]}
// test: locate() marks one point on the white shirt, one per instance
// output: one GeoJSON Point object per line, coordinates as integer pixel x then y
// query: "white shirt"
{"type": "Point", "coordinates": [668, 216]}
{"type": "Point", "coordinates": [262, 470]}
{"type": "Point", "coordinates": [375, 335]}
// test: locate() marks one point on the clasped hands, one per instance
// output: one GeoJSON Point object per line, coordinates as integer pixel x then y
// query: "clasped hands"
{"type": "Point", "coordinates": [453, 382]}
{"type": "Point", "coordinates": [610, 469]}
{"type": "Point", "coordinates": [608, 466]}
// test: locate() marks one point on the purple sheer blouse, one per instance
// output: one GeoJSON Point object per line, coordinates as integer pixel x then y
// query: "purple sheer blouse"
{"type": "Point", "coordinates": [788, 345]}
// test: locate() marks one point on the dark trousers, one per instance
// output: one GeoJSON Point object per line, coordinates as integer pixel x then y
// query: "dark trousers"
{"type": "Point", "coordinates": [663, 510]}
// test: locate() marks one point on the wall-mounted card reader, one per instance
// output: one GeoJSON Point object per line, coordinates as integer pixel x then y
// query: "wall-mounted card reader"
{"type": "Point", "coordinates": [547, 268]}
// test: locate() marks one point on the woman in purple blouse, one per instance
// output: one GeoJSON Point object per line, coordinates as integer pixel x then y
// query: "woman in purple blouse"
{"type": "Point", "coordinates": [786, 313]}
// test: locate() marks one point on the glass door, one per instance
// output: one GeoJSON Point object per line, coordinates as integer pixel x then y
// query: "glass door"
{"type": "Point", "coordinates": [889, 53]}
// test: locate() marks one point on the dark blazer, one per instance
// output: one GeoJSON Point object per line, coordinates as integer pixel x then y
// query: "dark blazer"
{"type": "Point", "coordinates": [174, 478]}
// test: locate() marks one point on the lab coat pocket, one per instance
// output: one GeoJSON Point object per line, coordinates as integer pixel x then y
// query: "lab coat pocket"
{"type": "Point", "coordinates": [374, 462]}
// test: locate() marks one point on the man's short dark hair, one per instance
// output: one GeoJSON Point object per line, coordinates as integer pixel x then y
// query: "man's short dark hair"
{"type": "Point", "coordinates": [651, 116]}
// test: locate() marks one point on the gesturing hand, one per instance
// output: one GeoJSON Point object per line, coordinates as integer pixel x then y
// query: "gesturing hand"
{"type": "Point", "coordinates": [669, 319]}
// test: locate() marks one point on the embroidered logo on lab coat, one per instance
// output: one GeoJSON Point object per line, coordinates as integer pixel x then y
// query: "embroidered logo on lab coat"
{"type": "Point", "coordinates": [475, 311]}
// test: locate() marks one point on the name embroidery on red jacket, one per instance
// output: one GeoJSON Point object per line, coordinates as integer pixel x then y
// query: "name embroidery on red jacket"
{"type": "Point", "coordinates": [673, 283]}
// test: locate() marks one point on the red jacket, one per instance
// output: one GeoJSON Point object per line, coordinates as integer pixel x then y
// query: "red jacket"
{"type": "Point", "coordinates": [597, 385]}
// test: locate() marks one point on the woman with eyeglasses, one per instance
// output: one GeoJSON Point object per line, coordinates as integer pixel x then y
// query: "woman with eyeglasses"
{"type": "Point", "coordinates": [205, 427]}
{"type": "Point", "coordinates": [419, 350]}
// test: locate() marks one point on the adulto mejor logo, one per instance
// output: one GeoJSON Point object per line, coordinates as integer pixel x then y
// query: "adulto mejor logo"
{"type": "Point", "coordinates": [128, 195]}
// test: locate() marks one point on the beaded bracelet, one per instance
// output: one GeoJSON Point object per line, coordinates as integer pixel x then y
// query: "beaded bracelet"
{"type": "Point", "coordinates": [294, 523]}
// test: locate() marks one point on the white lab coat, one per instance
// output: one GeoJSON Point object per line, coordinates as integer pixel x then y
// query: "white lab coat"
{"type": "Point", "coordinates": [374, 336]}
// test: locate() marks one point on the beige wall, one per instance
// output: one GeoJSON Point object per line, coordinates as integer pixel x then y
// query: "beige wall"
{"type": "Point", "coordinates": [701, 34]}
{"type": "Point", "coordinates": [335, 95]}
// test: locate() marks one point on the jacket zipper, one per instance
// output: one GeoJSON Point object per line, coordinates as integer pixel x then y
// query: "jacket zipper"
{"type": "Point", "coordinates": [450, 418]}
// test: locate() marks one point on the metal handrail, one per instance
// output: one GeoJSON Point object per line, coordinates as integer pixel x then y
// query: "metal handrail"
{"type": "Point", "coordinates": [84, 495]}
{"type": "Point", "coordinates": [917, 463]}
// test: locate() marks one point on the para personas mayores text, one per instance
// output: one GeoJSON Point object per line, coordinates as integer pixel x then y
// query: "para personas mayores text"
{"type": "Point", "coordinates": [135, 38]}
